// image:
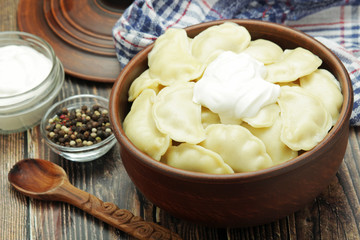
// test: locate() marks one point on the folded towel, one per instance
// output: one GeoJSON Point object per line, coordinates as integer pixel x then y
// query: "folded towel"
{"type": "Point", "coordinates": [333, 22]}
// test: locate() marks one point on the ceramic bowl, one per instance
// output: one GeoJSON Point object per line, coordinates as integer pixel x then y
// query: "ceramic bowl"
{"type": "Point", "coordinates": [83, 153]}
{"type": "Point", "coordinates": [241, 199]}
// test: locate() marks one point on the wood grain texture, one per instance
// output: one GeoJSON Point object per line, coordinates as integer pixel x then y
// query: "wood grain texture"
{"type": "Point", "coordinates": [335, 214]}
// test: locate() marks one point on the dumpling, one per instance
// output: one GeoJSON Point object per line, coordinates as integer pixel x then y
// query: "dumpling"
{"type": "Point", "coordinates": [293, 64]}
{"type": "Point", "coordinates": [208, 117]}
{"type": "Point", "coordinates": [140, 128]}
{"type": "Point", "coordinates": [170, 60]}
{"type": "Point", "coordinates": [240, 149]}
{"type": "Point", "coordinates": [264, 51]}
{"type": "Point", "coordinates": [265, 117]}
{"type": "Point", "coordinates": [196, 158]}
{"type": "Point", "coordinates": [270, 136]}
{"type": "Point", "coordinates": [305, 120]}
{"type": "Point", "coordinates": [177, 115]}
{"type": "Point", "coordinates": [144, 81]}
{"type": "Point", "coordinates": [224, 37]}
{"type": "Point", "coordinates": [324, 85]}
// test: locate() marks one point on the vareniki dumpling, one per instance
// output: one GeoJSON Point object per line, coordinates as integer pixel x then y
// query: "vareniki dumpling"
{"type": "Point", "coordinates": [196, 158]}
{"type": "Point", "coordinates": [293, 64]}
{"type": "Point", "coordinates": [170, 60]}
{"type": "Point", "coordinates": [270, 136]}
{"type": "Point", "coordinates": [177, 115]}
{"type": "Point", "coordinates": [208, 117]}
{"type": "Point", "coordinates": [140, 128]}
{"type": "Point", "coordinates": [265, 117]}
{"type": "Point", "coordinates": [144, 81]}
{"type": "Point", "coordinates": [324, 85]}
{"type": "Point", "coordinates": [305, 119]}
{"type": "Point", "coordinates": [264, 51]}
{"type": "Point", "coordinates": [208, 44]}
{"type": "Point", "coordinates": [240, 149]}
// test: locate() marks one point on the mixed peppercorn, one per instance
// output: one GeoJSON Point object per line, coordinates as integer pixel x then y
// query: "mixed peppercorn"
{"type": "Point", "coordinates": [79, 127]}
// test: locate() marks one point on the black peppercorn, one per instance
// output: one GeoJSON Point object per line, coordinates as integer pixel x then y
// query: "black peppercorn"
{"type": "Point", "coordinates": [96, 107]}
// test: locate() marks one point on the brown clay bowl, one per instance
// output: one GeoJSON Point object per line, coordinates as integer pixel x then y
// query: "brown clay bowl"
{"type": "Point", "coordinates": [242, 199]}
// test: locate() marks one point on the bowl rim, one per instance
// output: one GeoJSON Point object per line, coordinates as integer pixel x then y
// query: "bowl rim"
{"type": "Point", "coordinates": [73, 150]}
{"type": "Point", "coordinates": [279, 169]}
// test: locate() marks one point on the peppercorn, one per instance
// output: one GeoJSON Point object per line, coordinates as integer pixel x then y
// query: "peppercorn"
{"type": "Point", "coordinates": [86, 134]}
{"type": "Point", "coordinates": [79, 127]}
{"type": "Point", "coordinates": [96, 107]}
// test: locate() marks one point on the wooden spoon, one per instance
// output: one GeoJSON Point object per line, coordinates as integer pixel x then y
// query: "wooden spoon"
{"type": "Point", "coordinates": [45, 180]}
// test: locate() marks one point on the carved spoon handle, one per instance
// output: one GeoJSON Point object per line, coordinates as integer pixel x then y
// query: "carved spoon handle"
{"type": "Point", "coordinates": [113, 215]}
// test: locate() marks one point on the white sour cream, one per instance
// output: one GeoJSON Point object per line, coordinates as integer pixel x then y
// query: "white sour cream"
{"type": "Point", "coordinates": [21, 69]}
{"type": "Point", "coordinates": [233, 86]}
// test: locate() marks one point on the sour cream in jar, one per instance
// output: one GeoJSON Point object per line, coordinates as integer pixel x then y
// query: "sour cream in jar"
{"type": "Point", "coordinates": [21, 68]}
{"type": "Point", "coordinates": [233, 86]}
{"type": "Point", "coordinates": [31, 77]}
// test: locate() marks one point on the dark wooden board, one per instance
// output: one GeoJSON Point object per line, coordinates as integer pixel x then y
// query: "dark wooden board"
{"type": "Point", "coordinates": [86, 53]}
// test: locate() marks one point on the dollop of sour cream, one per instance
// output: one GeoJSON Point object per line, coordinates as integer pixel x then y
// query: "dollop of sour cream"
{"type": "Point", "coordinates": [233, 86]}
{"type": "Point", "coordinates": [21, 69]}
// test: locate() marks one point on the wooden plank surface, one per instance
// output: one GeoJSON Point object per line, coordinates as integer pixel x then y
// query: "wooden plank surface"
{"type": "Point", "coordinates": [335, 214]}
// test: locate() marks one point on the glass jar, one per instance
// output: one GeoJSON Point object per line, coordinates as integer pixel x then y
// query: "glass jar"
{"type": "Point", "coordinates": [21, 111]}
{"type": "Point", "coordinates": [84, 153]}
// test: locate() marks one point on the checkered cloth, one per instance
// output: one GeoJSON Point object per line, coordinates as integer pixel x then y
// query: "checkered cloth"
{"type": "Point", "coordinates": [333, 22]}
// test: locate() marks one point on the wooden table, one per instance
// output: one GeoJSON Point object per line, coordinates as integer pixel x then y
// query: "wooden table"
{"type": "Point", "coordinates": [335, 214]}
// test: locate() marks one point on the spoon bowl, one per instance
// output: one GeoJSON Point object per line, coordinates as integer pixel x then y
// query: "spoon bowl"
{"type": "Point", "coordinates": [36, 178]}
{"type": "Point", "coordinates": [45, 180]}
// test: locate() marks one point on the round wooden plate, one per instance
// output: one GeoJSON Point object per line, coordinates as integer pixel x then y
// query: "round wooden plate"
{"type": "Point", "coordinates": [80, 33]}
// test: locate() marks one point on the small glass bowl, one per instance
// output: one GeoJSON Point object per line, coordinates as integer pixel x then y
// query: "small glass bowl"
{"type": "Point", "coordinates": [22, 111]}
{"type": "Point", "coordinates": [84, 153]}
